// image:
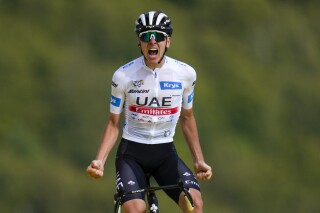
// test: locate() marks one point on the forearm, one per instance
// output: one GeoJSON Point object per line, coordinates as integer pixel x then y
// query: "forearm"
{"type": "Point", "coordinates": [190, 132]}
{"type": "Point", "coordinates": [108, 139]}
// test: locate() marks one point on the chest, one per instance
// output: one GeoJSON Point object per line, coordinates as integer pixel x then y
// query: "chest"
{"type": "Point", "coordinates": [155, 89]}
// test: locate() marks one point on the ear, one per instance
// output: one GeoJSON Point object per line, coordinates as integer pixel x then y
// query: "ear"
{"type": "Point", "coordinates": [139, 42]}
{"type": "Point", "coordinates": [168, 42]}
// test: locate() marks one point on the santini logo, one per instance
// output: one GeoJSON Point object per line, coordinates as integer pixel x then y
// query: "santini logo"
{"type": "Point", "coordinates": [138, 91]}
{"type": "Point", "coordinates": [168, 85]}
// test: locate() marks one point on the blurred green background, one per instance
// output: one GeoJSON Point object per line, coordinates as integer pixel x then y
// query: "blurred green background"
{"type": "Point", "coordinates": [257, 100]}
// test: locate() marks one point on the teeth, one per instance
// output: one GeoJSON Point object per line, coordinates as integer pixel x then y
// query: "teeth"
{"type": "Point", "coordinates": [153, 49]}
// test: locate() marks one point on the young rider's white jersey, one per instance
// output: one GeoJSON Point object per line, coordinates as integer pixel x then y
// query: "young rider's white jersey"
{"type": "Point", "coordinates": [152, 99]}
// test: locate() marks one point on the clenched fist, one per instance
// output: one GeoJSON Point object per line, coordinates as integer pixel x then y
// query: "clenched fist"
{"type": "Point", "coordinates": [95, 169]}
{"type": "Point", "coordinates": [203, 171]}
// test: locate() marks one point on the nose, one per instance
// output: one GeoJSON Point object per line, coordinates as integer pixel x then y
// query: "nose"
{"type": "Point", "coordinates": [152, 40]}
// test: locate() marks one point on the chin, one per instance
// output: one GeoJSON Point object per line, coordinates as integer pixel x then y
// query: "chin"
{"type": "Point", "coordinates": [153, 60]}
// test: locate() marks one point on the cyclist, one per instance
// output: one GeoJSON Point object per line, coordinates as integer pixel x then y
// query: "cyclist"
{"type": "Point", "coordinates": [154, 91]}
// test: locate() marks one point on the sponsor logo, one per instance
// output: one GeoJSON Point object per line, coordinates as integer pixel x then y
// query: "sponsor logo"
{"type": "Point", "coordinates": [131, 183]}
{"type": "Point", "coordinates": [170, 119]}
{"type": "Point", "coordinates": [114, 84]}
{"type": "Point", "coordinates": [119, 183]}
{"type": "Point", "coordinates": [190, 97]}
{"type": "Point", "coordinates": [187, 174]}
{"type": "Point", "coordinates": [153, 111]}
{"type": "Point", "coordinates": [138, 83]}
{"type": "Point", "coordinates": [181, 63]}
{"type": "Point", "coordinates": [128, 65]}
{"type": "Point", "coordinates": [170, 85]}
{"type": "Point", "coordinates": [192, 182]}
{"type": "Point", "coordinates": [161, 118]}
{"type": "Point", "coordinates": [153, 208]}
{"type": "Point", "coordinates": [165, 101]}
{"type": "Point", "coordinates": [115, 101]}
{"type": "Point", "coordinates": [139, 91]}
{"type": "Point", "coordinates": [167, 133]}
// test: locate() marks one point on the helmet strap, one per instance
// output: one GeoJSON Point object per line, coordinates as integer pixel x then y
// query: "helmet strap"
{"type": "Point", "coordinates": [139, 45]}
{"type": "Point", "coordinates": [165, 50]}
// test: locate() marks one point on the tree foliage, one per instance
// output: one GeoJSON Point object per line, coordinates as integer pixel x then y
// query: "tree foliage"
{"type": "Point", "coordinates": [257, 100]}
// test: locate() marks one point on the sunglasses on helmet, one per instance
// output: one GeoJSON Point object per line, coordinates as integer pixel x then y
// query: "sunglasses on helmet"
{"type": "Point", "coordinates": [158, 36]}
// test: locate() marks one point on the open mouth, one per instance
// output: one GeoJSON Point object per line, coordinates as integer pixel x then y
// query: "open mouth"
{"type": "Point", "coordinates": [152, 52]}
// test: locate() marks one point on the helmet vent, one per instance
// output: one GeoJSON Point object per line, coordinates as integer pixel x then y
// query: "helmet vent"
{"type": "Point", "coordinates": [160, 17]}
{"type": "Point", "coordinates": [151, 14]}
{"type": "Point", "coordinates": [143, 19]}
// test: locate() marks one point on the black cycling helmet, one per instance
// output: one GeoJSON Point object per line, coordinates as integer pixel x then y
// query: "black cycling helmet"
{"type": "Point", "coordinates": [153, 20]}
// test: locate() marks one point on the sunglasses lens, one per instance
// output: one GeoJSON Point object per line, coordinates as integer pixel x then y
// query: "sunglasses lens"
{"type": "Point", "coordinates": [157, 36]}
{"type": "Point", "coordinates": [160, 37]}
{"type": "Point", "coordinates": [145, 37]}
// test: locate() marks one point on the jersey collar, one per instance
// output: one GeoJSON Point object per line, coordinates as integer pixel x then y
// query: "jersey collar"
{"type": "Point", "coordinates": [146, 67]}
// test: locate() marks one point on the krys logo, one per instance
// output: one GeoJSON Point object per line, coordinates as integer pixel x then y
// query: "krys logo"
{"type": "Point", "coordinates": [169, 85]}
{"type": "Point", "coordinates": [115, 101]}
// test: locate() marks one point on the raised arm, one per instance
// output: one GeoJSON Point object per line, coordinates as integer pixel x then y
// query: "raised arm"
{"type": "Point", "coordinates": [109, 138]}
{"type": "Point", "coordinates": [190, 132]}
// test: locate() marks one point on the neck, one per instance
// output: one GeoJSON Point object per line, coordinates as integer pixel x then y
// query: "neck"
{"type": "Point", "coordinates": [154, 65]}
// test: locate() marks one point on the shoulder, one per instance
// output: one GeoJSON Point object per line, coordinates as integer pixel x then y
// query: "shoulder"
{"type": "Point", "coordinates": [181, 66]}
{"type": "Point", "coordinates": [125, 71]}
{"type": "Point", "coordinates": [183, 69]}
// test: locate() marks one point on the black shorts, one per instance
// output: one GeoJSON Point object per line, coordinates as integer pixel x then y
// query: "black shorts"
{"type": "Point", "coordinates": [135, 160]}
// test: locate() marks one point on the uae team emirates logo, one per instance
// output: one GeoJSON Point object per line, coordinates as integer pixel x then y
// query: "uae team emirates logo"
{"type": "Point", "coordinates": [153, 111]}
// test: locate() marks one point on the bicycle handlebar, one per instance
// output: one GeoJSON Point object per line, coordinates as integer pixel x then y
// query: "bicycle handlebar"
{"type": "Point", "coordinates": [187, 195]}
{"type": "Point", "coordinates": [121, 193]}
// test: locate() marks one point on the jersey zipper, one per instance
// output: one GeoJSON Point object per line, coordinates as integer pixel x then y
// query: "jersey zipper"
{"type": "Point", "coordinates": [156, 92]}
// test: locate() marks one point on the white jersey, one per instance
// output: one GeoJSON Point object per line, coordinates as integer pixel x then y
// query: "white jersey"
{"type": "Point", "coordinates": [152, 99]}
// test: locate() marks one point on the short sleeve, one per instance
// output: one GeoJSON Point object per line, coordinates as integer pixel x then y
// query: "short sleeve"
{"type": "Point", "coordinates": [117, 98]}
{"type": "Point", "coordinates": [188, 92]}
